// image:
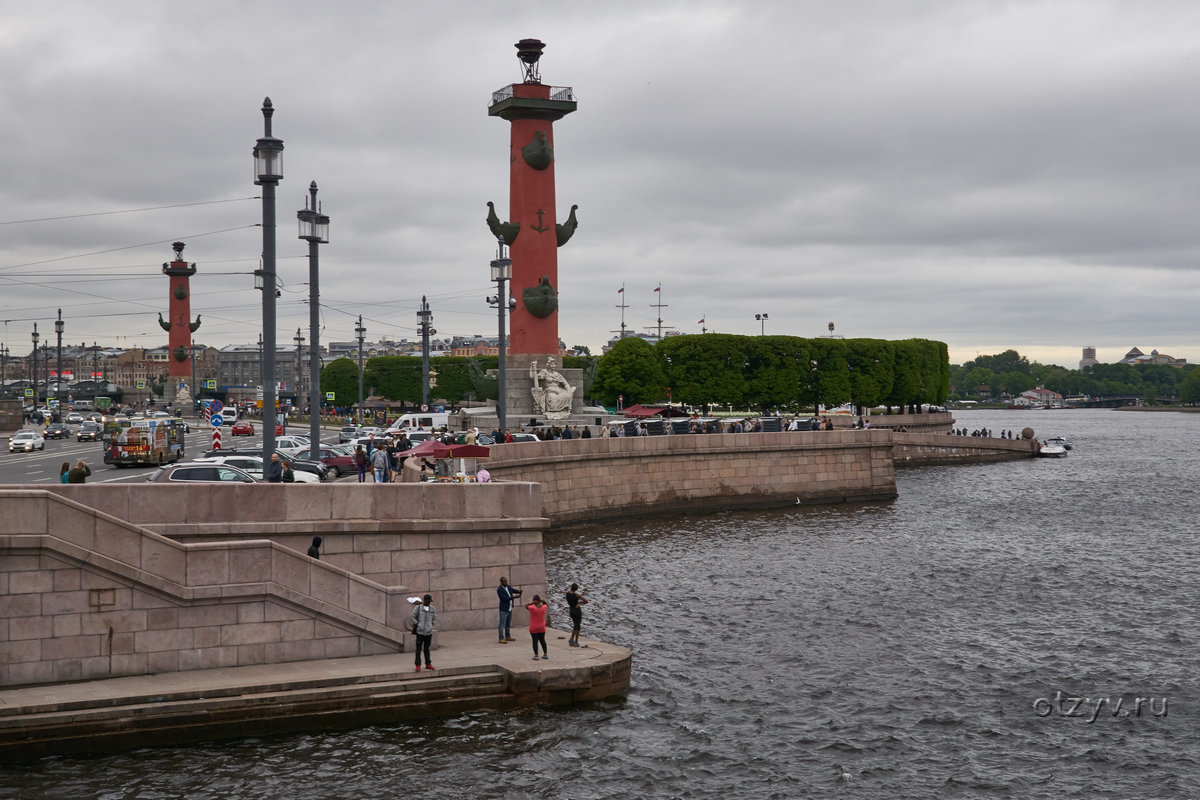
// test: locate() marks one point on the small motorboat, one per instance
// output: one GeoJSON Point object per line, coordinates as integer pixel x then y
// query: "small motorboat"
{"type": "Point", "coordinates": [1061, 441]}
{"type": "Point", "coordinates": [1051, 450]}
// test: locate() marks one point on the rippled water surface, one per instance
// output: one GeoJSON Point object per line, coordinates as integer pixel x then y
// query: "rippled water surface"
{"type": "Point", "coordinates": [904, 649]}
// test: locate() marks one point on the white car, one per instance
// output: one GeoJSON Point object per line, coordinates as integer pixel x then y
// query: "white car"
{"type": "Point", "coordinates": [74, 418]}
{"type": "Point", "coordinates": [26, 442]}
{"type": "Point", "coordinates": [253, 466]}
{"type": "Point", "coordinates": [293, 445]}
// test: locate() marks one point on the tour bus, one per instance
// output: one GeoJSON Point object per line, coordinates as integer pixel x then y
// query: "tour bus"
{"type": "Point", "coordinates": [142, 441]}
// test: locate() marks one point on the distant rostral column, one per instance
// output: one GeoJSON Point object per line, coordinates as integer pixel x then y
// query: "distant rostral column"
{"type": "Point", "coordinates": [180, 327]}
{"type": "Point", "coordinates": [531, 232]}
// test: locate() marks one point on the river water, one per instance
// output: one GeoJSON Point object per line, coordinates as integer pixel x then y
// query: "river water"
{"type": "Point", "coordinates": [924, 647]}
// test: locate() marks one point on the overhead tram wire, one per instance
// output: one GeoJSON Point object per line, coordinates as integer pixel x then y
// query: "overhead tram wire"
{"type": "Point", "coordinates": [127, 211]}
{"type": "Point", "coordinates": [129, 247]}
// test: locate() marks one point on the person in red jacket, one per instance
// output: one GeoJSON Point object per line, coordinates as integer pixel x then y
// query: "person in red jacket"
{"type": "Point", "coordinates": [539, 617]}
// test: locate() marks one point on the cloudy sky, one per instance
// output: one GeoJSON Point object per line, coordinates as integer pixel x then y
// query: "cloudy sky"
{"type": "Point", "coordinates": [989, 174]}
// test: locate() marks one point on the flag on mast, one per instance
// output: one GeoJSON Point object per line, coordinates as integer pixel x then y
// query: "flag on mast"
{"type": "Point", "coordinates": [621, 290]}
{"type": "Point", "coordinates": [658, 288]}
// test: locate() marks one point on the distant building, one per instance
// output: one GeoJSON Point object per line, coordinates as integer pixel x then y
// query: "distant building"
{"type": "Point", "coordinates": [1089, 358]}
{"type": "Point", "coordinates": [1136, 356]}
{"type": "Point", "coordinates": [1038, 398]}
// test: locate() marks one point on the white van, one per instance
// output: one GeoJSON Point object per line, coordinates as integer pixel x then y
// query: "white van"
{"type": "Point", "coordinates": [427, 420]}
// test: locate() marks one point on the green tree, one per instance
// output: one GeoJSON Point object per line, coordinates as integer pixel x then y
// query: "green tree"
{"type": "Point", "coordinates": [773, 371]}
{"type": "Point", "coordinates": [1189, 388]}
{"type": "Point", "coordinates": [341, 377]}
{"type": "Point", "coordinates": [631, 369]}
{"type": "Point", "coordinates": [398, 378]}
{"type": "Point", "coordinates": [872, 370]}
{"type": "Point", "coordinates": [827, 377]}
{"type": "Point", "coordinates": [704, 369]}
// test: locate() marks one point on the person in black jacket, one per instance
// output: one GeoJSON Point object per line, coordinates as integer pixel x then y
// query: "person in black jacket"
{"type": "Point", "coordinates": [314, 550]}
{"type": "Point", "coordinates": [275, 469]}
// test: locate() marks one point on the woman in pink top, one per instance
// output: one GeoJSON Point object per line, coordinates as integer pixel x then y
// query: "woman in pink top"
{"type": "Point", "coordinates": [539, 614]}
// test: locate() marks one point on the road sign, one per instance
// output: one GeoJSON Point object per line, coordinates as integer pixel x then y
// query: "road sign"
{"type": "Point", "coordinates": [329, 396]}
{"type": "Point", "coordinates": [217, 420]}
{"type": "Point", "coordinates": [29, 392]}
{"type": "Point", "coordinates": [210, 384]}
{"type": "Point", "coordinates": [140, 384]}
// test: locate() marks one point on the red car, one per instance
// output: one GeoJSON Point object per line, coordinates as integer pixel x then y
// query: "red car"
{"type": "Point", "coordinates": [339, 463]}
{"type": "Point", "coordinates": [242, 428]}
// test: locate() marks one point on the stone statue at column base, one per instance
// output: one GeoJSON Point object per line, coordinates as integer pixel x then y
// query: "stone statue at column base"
{"type": "Point", "coordinates": [552, 393]}
{"type": "Point", "coordinates": [183, 396]}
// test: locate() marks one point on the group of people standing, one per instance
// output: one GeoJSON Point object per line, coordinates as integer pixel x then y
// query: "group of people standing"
{"type": "Point", "coordinates": [77, 474]}
{"type": "Point", "coordinates": [423, 620]}
{"type": "Point", "coordinates": [383, 457]}
{"type": "Point", "coordinates": [539, 617]}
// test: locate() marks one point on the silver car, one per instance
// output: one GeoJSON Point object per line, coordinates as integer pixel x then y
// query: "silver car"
{"type": "Point", "coordinates": [200, 472]}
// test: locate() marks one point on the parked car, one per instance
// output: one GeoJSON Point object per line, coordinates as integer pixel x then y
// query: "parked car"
{"type": "Point", "coordinates": [297, 464]}
{"type": "Point", "coordinates": [348, 433]}
{"type": "Point", "coordinates": [253, 466]}
{"type": "Point", "coordinates": [293, 445]}
{"type": "Point", "coordinates": [57, 430]}
{"type": "Point", "coordinates": [89, 432]}
{"type": "Point", "coordinates": [26, 441]}
{"type": "Point", "coordinates": [199, 471]}
{"type": "Point", "coordinates": [339, 462]}
{"type": "Point", "coordinates": [241, 428]}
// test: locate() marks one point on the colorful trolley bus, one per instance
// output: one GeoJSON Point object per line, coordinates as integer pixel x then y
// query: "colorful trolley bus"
{"type": "Point", "coordinates": [143, 441]}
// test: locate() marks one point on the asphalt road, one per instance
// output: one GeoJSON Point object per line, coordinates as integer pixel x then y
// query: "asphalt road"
{"type": "Point", "coordinates": [43, 466]}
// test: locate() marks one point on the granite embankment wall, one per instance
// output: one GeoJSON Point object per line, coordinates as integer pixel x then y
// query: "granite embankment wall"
{"type": "Point", "coordinates": [90, 594]}
{"type": "Point", "coordinates": [607, 478]}
{"type": "Point", "coordinates": [926, 449]}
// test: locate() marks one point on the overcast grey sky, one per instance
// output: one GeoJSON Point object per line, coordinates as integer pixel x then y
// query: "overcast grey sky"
{"type": "Point", "coordinates": [988, 174]}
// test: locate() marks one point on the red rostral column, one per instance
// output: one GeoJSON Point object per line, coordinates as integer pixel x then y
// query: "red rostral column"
{"type": "Point", "coordinates": [179, 325]}
{"type": "Point", "coordinates": [531, 233]}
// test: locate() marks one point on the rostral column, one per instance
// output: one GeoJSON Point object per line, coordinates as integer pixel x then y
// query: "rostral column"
{"type": "Point", "coordinates": [532, 232]}
{"type": "Point", "coordinates": [180, 327]}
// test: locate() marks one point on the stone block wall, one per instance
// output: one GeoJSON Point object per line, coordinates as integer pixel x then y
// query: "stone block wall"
{"type": "Point", "coordinates": [926, 449]}
{"type": "Point", "coordinates": [453, 541]}
{"type": "Point", "coordinates": [87, 596]}
{"type": "Point", "coordinates": [588, 479]}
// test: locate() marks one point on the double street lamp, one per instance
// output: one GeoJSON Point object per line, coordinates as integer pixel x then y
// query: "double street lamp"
{"type": "Point", "coordinates": [359, 330]}
{"type": "Point", "coordinates": [58, 328]}
{"type": "Point", "coordinates": [762, 323]}
{"type": "Point", "coordinates": [35, 360]}
{"type": "Point", "coordinates": [268, 172]}
{"type": "Point", "coordinates": [501, 274]}
{"type": "Point", "coordinates": [314, 227]}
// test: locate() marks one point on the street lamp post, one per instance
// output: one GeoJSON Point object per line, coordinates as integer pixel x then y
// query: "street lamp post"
{"type": "Point", "coordinates": [314, 227]}
{"type": "Point", "coordinates": [359, 331]}
{"type": "Point", "coordinates": [299, 340]}
{"type": "Point", "coordinates": [424, 318]}
{"type": "Point", "coordinates": [4, 369]}
{"type": "Point", "coordinates": [46, 371]}
{"type": "Point", "coordinates": [501, 274]}
{"type": "Point", "coordinates": [95, 370]}
{"type": "Point", "coordinates": [762, 320]}
{"type": "Point", "coordinates": [35, 359]}
{"type": "Point", "coordinates": [58, 329]}
{"type": "Point", "coordinates": [268, 172]}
